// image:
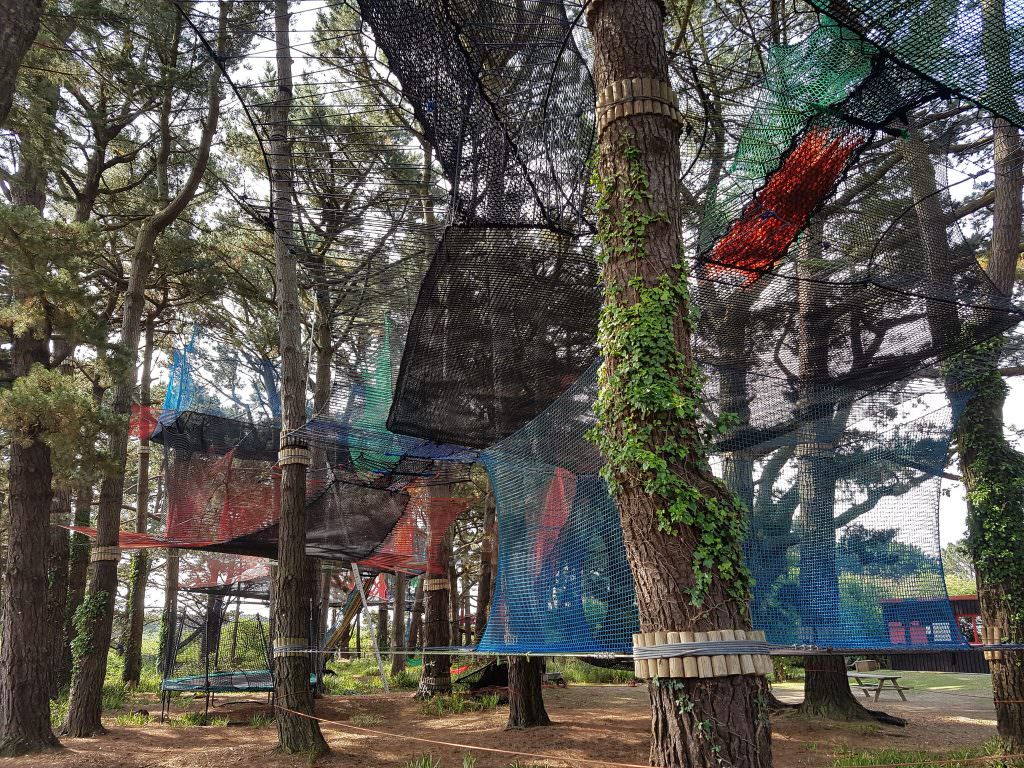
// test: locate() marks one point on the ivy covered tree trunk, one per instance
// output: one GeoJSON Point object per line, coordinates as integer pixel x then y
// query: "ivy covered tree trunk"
{"type": "Point", "coordinates": [682, 528]}
{"type": "Point", "coordinates": [526, 693]}
{"type": "Point", "coordinates": [293, 591]}
{"type": "Point", "coordinates": [24, 663]}
{"type": "Point", "coordinates": [169, 615]}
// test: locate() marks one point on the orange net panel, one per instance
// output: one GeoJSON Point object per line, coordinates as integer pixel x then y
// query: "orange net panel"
{"type": "Point", "coordinates": [771, 222]}
{"type": "Point", "coordinates": [414, 544]}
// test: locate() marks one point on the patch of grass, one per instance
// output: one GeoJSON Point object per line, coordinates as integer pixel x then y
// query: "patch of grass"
{"type": "Point", "coordinates": [423, 761]}
{"type": "Point", "coordinates": [946, 682]}
{"type": "Point", "coordinates": [366, 720]}
{"type": "Point", "coordinates": [197, 720]}
{"type": "Point", "coordinates": [960, 758]}
{"type": "Point", "coordinates": [580, 673]}
{"type": "Point", "coordinates": [457, 703]}
{"type": "Point", "coordinates": [468, 761]}
{"type": "Point", "coordinates": [261, 720]}
{"type": "Point", "coordinates": [132, 719]}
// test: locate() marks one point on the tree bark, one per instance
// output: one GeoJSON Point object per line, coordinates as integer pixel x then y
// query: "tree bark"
{"type": "Point", "coordinates": [24, 663]}
{"type": "Point", "coordinates": [78, 572]}
{"type": "Point", "coordinates": [398, 626]}
{"type": "Point", "coordinates": [416, 622]}
{"type": "Point", "coordinates": [57, 598]}
{"type": "Point", "coordinates": [139, 571]}
{"type": "Point", "coordinates": [703, 722]}
{"type": "Point", "coordinates": [19, 25]}
{"type": "Point", "coordinates": [525, 693]}
{"type": "Point", "coordinates": [25, 635]}
{"type": "Point", "coordinates": [86, 701]}
{"type": "Point", "coordinates": [297, 731]}
{"type": "Point", "coordinates": [169, 616]}
{"type": "Point", "coordinates": [488, 549]}
{"type": "Point", "coordinates": [437, 674]}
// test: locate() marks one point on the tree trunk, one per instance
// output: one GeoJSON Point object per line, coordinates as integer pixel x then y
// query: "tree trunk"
{"type": "Point", "coordinates": [78, 572]}
{"type": "Point", "coordinates": [487, 550]}
{"type": "Point", "coordinates": [382, 627]}
{"type": "Point", "coordinates": [683, 583]}
{"type": "Point", "coordinates": [453, 604]}
{"type": "Point", "coordinates": [169, 616]}
{"type": "Point", "coordinates": [139, 577]}
{"type": "Point", "coordinates": [297, 731]}
{"type": "Point", "coordinates": [416, 622]}
{"type": "Point", "coordinates": [24, 663]}
{"type": "Point", "coordinates": [97, 611]}
{"type": "Point", "coordinates": [19, 24]}
{"type": "Point", "coordinates": [525, 693]}
{"type": "Point", "coordinates": [398, 626]}
{"type": "Point", "coordinates": [57, 598]}
{"type": "Point", "coordinates": [437, 675]}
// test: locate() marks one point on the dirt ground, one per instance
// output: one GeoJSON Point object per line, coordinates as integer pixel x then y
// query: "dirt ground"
{"type": "Point", "coordinates": [596, 723]}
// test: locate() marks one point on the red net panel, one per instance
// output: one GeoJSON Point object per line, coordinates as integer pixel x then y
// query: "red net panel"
{"type": "Point", "coordinates": [553, 516]}
{"type": "Point", "coordinates": [770, 224]}
{"type": "Point", "coordinates": [414, 544]}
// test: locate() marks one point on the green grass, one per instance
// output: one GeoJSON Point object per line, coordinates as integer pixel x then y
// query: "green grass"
{"type": "Point", "coordinates": [580, 673]}
{"type": "Point", "coordinates": [132, 719]}
{"type": "Point", "coordinates": [366, 720]}
{"type": "Point", "coordinates": [197, 720]}
{"type": "Point", "coordinates": [457, 703]}
{"type": "Point", "coordinates": [960, 758]}
{"type": "Point", "coordinates": [261, 720]}
{"type": "Point", "coordinates": [423, 761]}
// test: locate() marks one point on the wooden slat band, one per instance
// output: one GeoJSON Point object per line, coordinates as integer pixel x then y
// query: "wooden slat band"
{"type": "Point", "coordinates": [992, 636]}
{"type": "Point", "coordinates": [815, 449]}
{"type": "Point", "coordinates": [717, 653]}
{"type": "Point", "coordinates": [636, 96]}
{"type": "Point", "coordinates": [433, 585]}
{"type": "Point", "coordinates": [103, 554]}
{"type": "Point", "coordinates": [294, 455]}
{"type": "Point", "coordinates": [291, 646]}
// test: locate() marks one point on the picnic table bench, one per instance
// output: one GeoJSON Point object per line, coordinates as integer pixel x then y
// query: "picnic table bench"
{"type": "Point", "coordinates": [876, 683]}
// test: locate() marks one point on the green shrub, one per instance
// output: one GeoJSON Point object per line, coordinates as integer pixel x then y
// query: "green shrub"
{"type": "Point", "coordinates": [58, 711]}
{"type": "Point", "coordinates": [114, 695]}
{"type": "Point", "coordinates": [423, 761]}
{"type": "Point", "coordinates": [406, 680]}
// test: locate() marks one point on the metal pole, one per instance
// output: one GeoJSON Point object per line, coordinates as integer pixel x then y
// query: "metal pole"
{"type": "Point", "coordinates": [376, 650]}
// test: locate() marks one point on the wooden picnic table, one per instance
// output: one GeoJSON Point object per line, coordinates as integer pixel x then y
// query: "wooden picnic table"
{"type": "Point", "coordinates": [877, 682]}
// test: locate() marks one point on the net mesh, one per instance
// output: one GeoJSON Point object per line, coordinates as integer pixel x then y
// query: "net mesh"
{"type": "Point", "coordinates": [445, 229]}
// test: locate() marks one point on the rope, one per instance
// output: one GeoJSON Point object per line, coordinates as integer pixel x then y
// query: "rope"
{"type": "Point", "coordinates": [587, 761]}
{"type": "Point", "coordinates": [456, 745]}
